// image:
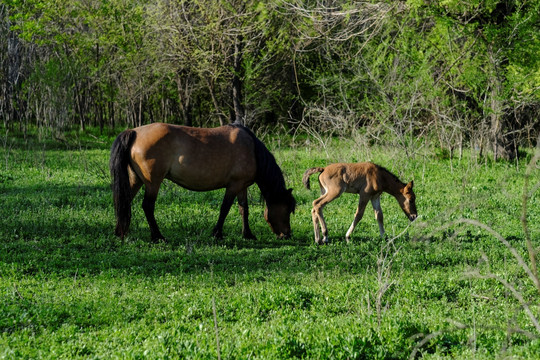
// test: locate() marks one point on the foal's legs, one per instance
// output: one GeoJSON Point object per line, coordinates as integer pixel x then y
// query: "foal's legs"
{"type": "Point", "coordinates": [317, 214]}
{"type": "Point", "coordinates": [315, 217]}
{"type": "Point", "coordinates": [357, 217]}
{"type": "Point", "coordinates": [244, 212]}
{"type": "Point", "coordinates": [376, 202]}
{"type": "Point", "coordinates": [316, 226]}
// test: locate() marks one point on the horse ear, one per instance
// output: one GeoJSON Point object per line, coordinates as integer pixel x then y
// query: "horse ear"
{"type": "Point", "coordinates": [293, 201]}
{"type": "Point", "coordinates": [409, 187]}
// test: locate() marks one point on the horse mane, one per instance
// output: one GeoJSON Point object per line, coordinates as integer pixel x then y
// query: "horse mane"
{"type": "Point", "coordinates": [268, 177]}
{"type": "Point", "coordinates": [382, 168]}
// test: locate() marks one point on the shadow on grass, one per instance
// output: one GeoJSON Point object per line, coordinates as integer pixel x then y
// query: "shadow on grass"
{"type": "Point", "coordinates": [66, 230]}
{"type": "Point", "coordinates": [64, 257]}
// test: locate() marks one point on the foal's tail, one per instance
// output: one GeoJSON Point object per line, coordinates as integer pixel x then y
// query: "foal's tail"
{"type": "Point", "coordinates": [308, 173]}
{"type": "Point", "coordinates": [118, 165]}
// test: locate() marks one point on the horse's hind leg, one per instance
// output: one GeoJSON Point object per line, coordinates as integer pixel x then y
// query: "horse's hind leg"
{"type": "Point", "coordinates": [378, 214]}
{"type": "Point", "coordinates": [244, 212]}
{"type": "Point", "coordinates": [135, 182]}
{"type": "Point", "coordinates": [317, 213]}
{"type": "Point", "coordinates": [149, 205]}
{"type": "Point", "coordinates": [316, 225]}
{"type": "Point", "coordinates": [357, 217]}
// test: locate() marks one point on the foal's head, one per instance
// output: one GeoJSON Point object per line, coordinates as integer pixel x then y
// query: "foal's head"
{"type": "Point", "coordinates": [278, 214]}
{"type": "Point", "coordinates": [408, 201]}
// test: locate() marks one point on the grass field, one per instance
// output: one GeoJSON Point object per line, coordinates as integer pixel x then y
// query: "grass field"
{"type": "Point", "coordinates": [437, 288]}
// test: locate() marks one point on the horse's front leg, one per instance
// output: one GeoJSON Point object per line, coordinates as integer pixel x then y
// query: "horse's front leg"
{"type": "Point", "coordinates": [378, 213]}
{"type": "Point", "coordinates": [244, 212]}
{"type": "Point", "coordinates": [357, 217]}
{"type": "Point", "coordinates": [228, 200]}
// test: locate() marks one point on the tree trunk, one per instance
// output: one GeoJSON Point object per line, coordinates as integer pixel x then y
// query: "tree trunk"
{"type": "Point", "coordinates": [210, 86]}
{"type": "Point", "coordinates": [184, 97]}
{"type": "Point", "coordinates": [496, 124]}
{"type": "Point", "coordinates": [239, 115]}
{"type": "Point", "coordinates": [14, 61]}
{"type": "Point", "coordinates": [502, 144]}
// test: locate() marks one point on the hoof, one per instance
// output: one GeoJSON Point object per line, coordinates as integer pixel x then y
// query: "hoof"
{"type": "Point", "coordinates": [217, 234]}
{"type": "Point", "coordinates": [120, 233]}
{"type": "Point", "coordinates": [249, 236]}
{"type": "Point", "coordinates": [324, 241]}
{"type": "Point", "coordinates": [158, 239]}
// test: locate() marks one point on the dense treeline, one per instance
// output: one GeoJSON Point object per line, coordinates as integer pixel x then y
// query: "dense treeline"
{"type": "Point", "coordinates": [460, 73]}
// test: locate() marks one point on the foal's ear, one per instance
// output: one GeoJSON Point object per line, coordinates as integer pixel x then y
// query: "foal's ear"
{"type": "Point", "coordinates": [410, 185]}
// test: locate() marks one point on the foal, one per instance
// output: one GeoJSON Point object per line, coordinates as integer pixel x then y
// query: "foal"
{"type": "Point", "coordinates": [366, 179]}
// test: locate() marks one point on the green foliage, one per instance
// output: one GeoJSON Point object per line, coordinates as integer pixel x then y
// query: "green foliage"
{"type": "Point", "coordinates": [446, 70]}
{"type": "Point", "coordinates": [70, 289]}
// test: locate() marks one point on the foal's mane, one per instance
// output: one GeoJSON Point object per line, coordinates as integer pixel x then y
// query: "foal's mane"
{"type": "Point", "coordinates": [394, 177]}
{"type": "Point", "coordinates": [268, 177]}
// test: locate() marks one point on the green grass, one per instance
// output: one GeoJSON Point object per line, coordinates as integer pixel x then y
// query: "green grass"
{"type": "Point", "coordinates": [70, 289]}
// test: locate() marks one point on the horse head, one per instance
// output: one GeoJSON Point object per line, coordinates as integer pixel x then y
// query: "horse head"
{"type": "Point", "coordinates": [278, 214]}
{"type": "Point", "coordinates": [408, 201]}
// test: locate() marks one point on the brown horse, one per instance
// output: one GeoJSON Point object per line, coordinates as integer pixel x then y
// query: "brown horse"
{"type": "Point", "coordinates": [198, 159]}
{"type": "Point", "coordinates": [366, 179]}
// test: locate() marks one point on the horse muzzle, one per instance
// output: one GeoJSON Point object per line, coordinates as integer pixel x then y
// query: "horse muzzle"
{"type": "Point", "coordinates": [284, 236]}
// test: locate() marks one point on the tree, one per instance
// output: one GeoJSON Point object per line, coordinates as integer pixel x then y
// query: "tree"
{"type": "Point", "coordinates": [453, 72]}
{"type": "Point", "coordinates": [500, 70]}
{"type": "Point", "coordinates": [219, 50]}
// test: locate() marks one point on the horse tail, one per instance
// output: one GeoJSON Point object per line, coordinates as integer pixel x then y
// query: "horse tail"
{"type": "Point", "coordinates": [308, 173]}
{"type": "Point", "coordinates": [118, 165]}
